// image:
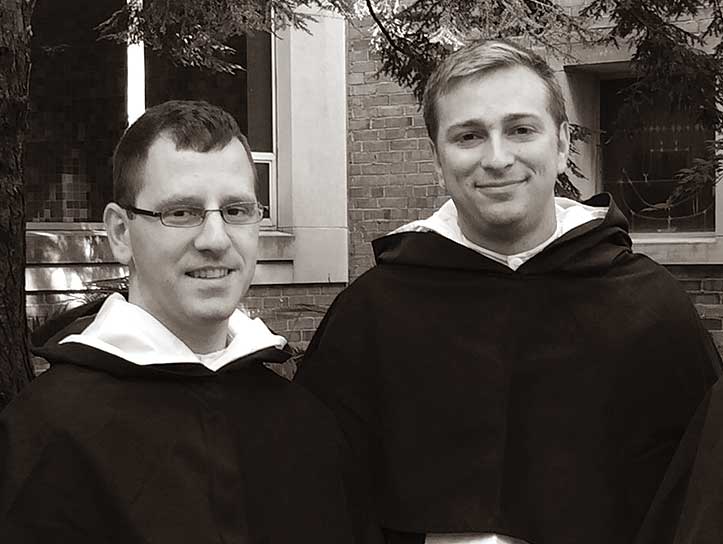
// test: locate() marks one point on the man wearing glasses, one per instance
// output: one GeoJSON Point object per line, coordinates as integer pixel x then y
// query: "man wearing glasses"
{"type": "Point", "coordinates": [158, 420]}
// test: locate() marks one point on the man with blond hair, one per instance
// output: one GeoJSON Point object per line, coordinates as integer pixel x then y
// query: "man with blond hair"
{"type": "Point", "coordinates": [509, 371]}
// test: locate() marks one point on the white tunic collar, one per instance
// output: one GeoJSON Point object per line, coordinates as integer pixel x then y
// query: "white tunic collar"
{"type": "Point", "coordinates": [568, 213]}
{"type": "Point", "coordinates": [128, 331]}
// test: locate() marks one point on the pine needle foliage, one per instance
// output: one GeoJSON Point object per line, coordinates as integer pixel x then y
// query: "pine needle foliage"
{"type": "Point", "coordinates": [676, 52]}
{"type": "Point", "coordinates": [196, 32]}
{"type": "Point", "coordinates": [411, 39]}
{"type": "Point", "coordinates": [676, 61]}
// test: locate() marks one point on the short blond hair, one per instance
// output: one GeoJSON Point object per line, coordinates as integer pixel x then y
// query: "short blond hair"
{"type": "Point", "coordinates": [478, 59]}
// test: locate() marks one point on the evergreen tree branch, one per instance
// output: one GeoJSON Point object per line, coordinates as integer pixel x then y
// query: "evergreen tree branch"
{"type": "Point", "coordinates": [382, 27]}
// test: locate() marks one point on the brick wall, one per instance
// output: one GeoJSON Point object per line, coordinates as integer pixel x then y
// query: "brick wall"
{"type": "Point", "coordinates": [293, 311]}
{"type": "Point", "coordinates": [704, 284]}
{"type": "Point", "coordinates": [391, 174]}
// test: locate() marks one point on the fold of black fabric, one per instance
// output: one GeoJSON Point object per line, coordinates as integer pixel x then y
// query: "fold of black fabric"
{"type": "Point", "coordinates": [543, 403]}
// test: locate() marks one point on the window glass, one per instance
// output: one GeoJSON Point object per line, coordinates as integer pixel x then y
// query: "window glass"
{"type": "Point", "coordinates": [640, 162]}
{"type": "Point", "coordinates": [262, 169]}
{"type": "Point", "coordinates": [246, 94]}
{"type": "Point", "coordinates": [77, 111]}
{"type": "Point", "coordinates": [259, 93]}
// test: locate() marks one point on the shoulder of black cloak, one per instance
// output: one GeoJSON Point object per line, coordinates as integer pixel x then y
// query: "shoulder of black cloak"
{"type": "Point", "coordinates": [71, 321]}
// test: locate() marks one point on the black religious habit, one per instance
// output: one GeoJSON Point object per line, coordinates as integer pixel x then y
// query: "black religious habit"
{"type": "Point", "coordinates": [100, 450]}
{"type": "Point", "coordinates": [544, 404]}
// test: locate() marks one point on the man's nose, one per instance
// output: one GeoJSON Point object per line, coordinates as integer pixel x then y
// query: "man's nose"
{"type": "Point", "coordinates": [497, 154]}
{"type": "Point", "coordinates": [213, 235]}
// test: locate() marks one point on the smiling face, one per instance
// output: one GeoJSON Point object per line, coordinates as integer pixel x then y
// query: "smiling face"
{"type": "Point", "coordinates": [499, 151]}
{"type": "Point", "coordinates": [190, 279]}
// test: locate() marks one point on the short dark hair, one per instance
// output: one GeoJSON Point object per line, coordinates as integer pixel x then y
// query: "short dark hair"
{"type": "Point", "coordinates": [190, 124]}
{"type": "Point", "coordinates": [479, 58]}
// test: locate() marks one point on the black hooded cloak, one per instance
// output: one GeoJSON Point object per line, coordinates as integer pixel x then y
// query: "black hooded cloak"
{"type": "Point", "coordinates": [100, 450]}
{"type": "Point", "coordinates": [544, 403]}
{"type": "Point", "coordinates": [688, 508]}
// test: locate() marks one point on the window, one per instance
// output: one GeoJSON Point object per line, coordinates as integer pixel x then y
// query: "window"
{"type": "Point", "coordinates": [640, 162]}
{"type": "Point", "coordinates": [247, 95]}
{"type": "Point", "coordinates": [77, 112]}
{"type": "Point", "coordinates": [82, 99]}
{"type": "Point", "coordinates": [84, 96]}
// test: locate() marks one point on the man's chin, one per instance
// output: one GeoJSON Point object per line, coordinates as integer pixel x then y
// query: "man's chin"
{"type": "Point", "coordinates": [212, 311]}
{"type": "Point", "coordinates": [502, 215]}
{"type": "Point", "coordinates": [501, 192]}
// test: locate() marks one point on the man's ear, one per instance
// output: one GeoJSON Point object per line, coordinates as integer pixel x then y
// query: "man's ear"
{"type": "Point", "coordinates": [563, 147]}
{"type": "Point", "coordinates": [117, 227]}
{"type": "Point", "coordinates": [437, 166]}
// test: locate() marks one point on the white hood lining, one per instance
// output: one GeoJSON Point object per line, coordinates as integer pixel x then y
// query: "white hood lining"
{"type": "Point", "coordinates": [127, 331]}
{"type": "Point", "coordinates": [569, 214]}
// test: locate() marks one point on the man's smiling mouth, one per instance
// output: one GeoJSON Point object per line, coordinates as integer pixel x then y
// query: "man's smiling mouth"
{"type": "Point", "coordinates": [499, 184]}
{"type": "Point", "coordinates": [209, 273]}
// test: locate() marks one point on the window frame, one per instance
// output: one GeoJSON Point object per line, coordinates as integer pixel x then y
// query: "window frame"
{"type": "Point", "coordinates": [694, 247]}
{"type": "Point", "coordinates": [600, 181]}
{"type": "Point", "coordinates": [136, 105]}
{"type": "Point", "coordinates": [591, 66]}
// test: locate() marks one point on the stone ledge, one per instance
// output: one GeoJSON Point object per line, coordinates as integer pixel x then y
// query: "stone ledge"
{"type": "Point", "coordinates": [90, 247]}
{"type": "Point", "coordinates": [80, 260]}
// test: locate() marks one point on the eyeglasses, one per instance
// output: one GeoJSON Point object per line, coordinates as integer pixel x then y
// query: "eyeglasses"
{"type": "Point", "coordinates": [236, 213]}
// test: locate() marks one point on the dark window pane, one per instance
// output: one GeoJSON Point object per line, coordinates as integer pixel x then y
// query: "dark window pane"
{"type": "Point", "coordinates": [639, 164]}
{"type": "Point", "coordinates": [245, 94]}
{"type": "Point", "coordinates": [263, 190]}
{"type": "Point", "coordinates": [77, 111]}
{"type": "Point", "coordinates": [259, 93]}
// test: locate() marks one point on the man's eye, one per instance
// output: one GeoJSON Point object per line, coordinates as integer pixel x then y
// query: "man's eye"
{"type": "Point", "coordinates": [240, 210]}
{"type": "Point", "coordinates": [181, 213]}
{"type": "Point", "coordinates": [468, 137]}
{"type": "Point", "coordinates": [523, 130]}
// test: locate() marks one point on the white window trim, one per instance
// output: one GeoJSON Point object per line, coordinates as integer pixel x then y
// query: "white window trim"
{"type": "Point", "coordinates": [269, 159]}
{"type": "Point", "coordinates": [135, 81]}
{"type": "Point", "coordinates": [688, 247]}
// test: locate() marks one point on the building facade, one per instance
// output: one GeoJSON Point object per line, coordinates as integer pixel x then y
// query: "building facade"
{"type": "Point", "coordinates": [343, 155]}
